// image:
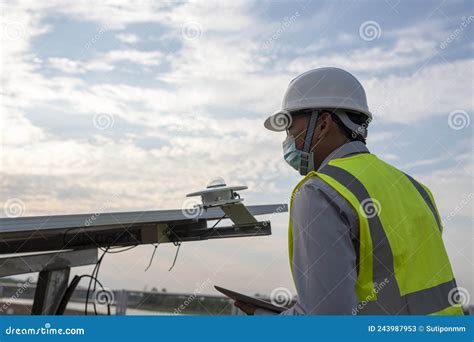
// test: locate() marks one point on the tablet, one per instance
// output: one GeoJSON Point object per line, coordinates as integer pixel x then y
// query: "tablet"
{"type": "Point", "coordinates": [261, 304]}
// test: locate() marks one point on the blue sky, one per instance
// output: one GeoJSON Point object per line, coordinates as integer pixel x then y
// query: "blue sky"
{"type": "Point", "coordinates": [149, 101]}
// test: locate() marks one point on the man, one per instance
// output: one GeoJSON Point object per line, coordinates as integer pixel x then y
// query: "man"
{"type": "Point", "coordinates": [364, 238]}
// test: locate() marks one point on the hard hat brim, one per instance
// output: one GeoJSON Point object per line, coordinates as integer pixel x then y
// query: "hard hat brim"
{"type": "Point", "coordinates": [278, 121]}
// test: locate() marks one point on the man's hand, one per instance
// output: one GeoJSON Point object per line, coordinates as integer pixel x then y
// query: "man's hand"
{"type": "Point", "coordinates": [249, 309]}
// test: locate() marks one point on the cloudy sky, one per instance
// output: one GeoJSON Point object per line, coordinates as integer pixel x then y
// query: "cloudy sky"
{"type": "Point", "coordinates": [129, 105]}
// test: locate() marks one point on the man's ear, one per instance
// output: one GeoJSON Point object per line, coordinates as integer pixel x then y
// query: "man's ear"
{"type": "Point", "coordinates": [325, 122]}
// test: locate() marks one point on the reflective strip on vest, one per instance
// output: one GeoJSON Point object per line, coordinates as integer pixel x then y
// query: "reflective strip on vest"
{"type": "Point", "coordinates": [427, 199]}
{"type": "Point", "coordinates": [389, 301]}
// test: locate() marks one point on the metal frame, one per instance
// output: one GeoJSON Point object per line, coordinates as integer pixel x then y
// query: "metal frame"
{"type": "Point", "coordinates": [77, 237]}
{"type": "Point", "coordinates": [43, 233]}
{"type": "Point", "coordinates": [53, 277]}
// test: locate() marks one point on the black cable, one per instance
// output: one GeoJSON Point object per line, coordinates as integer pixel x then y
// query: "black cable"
{"type": "Point", "coordinates": [152, 256]}
{"type": "Point", "coordinates": [89, 288]}
{"type": "Point", "coordinates": [219, 220]}
{"type": "Point", "coordinates": [178, 243]}
{"type": "Point", "coordinates": [120, 251]}
{"type": "Point", "coordinates": [70, 290]}
{"type": "Point", "coordinates": [93, 275]}
{"type": "Point", "coordinates": [95, 283]}
{"type": "Point", "coordinates": [67, 295]}
{"type": "Point", "coordinates": [176, 255]}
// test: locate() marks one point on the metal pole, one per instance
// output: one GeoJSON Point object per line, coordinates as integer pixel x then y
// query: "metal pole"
{"type": "Point", "coordinates": [121, 303]}
{"type": "Point", "coordinates": [49, 291]}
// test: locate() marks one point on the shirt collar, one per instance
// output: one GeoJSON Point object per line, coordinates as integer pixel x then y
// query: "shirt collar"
{"type": "Point", "coordinates": [353, 147]}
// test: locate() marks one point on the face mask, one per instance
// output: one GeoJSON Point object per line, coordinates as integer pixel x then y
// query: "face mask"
{"type": "Point", "coordinates": [292, 155]}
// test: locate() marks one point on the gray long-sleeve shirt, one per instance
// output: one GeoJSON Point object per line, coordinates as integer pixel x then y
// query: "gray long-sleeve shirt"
{"type": "Point", "coordinates": [325, 227]}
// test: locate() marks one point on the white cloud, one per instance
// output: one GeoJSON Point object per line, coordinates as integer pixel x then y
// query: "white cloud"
{"type": "Point", "coordinates": [389, 156]}
{"type": "Point", "coordinates": [436, 89]}
{"type": "Point", "coordinates": [134, 56]}
{"type": "Point", "coordinates": [113, 14]}
{"type": "Point", "coordinates": [423, 162]}
{"type": "Point", "coordinates": [128, 38]}
{"type": "Point", "coordinates": [212, 71]}
{"type": "Point", "coordinates": [403, 54]}
{"type": "Point", "coordinates": [399, 49]}
{"type": "Point", "coordinates": [107, 61]}
{"type": "Point", "coordinates": [213, 16]}
{"type": "Point", "coordinates": [406, 79]}
{"type": "Point", "coordinates": [66, 65]}
{"type": "Point", "coordinates": [451, 186]}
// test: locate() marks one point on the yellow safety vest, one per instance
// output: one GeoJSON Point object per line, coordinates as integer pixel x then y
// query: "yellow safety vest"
{"type": "Point", "coordinates": [402, 267]}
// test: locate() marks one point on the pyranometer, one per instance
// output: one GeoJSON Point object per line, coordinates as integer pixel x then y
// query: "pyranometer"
{"type": "Point", "coordinates": [217, 193]}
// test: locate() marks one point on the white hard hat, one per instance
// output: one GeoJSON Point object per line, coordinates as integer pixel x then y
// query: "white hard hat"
{"type": "Point", "coordinates": [331, 88]}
